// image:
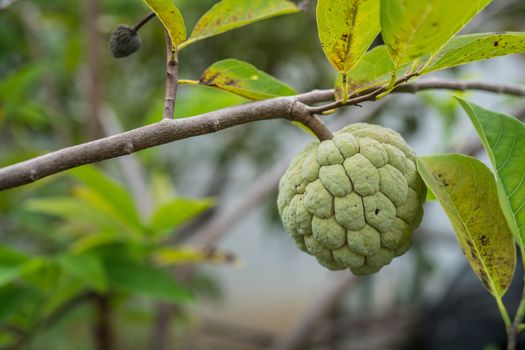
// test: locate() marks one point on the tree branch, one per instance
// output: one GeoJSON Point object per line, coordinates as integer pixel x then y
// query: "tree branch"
{"type": "Point", "coordinates": [169, 130]}
{"type": "Point", "coordinates": [300, 112]}
{"type": "Point", "coordinates": [450, 84]}
{"type": "Point", "coordinates": [156, 134]}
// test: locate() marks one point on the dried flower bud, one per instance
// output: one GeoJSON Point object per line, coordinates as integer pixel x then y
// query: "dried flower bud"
{"type": "Point", "coordinates": [124, 41]}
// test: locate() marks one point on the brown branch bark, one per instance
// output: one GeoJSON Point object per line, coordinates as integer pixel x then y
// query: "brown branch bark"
{"type": "Point", "coordinates": [172, 71]}
{"type": "Point", "coordinates": [169, 130]}
{"type": "Point", "coordinates": [94, 78]}
{"type": "Point", "coordinates": [103, 331]}
{"type": "Point", "coordinates": [450, 84]}
{"type": "Point", "coordinates": [159, 133]}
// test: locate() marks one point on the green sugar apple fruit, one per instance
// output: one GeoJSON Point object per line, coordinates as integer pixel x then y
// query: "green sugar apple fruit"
{"type": "Point", "coordinates": [353, 201]}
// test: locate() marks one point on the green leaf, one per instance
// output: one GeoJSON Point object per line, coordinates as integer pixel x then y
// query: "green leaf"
{"type": "Point", "coordinates": [59, 292]}
{"type": "Point", "coordinates": [466, 190]}
{"type": "Point", "coordinates": [11, 264]}
{"type": "Point", "coordinates": [86, 268]}
{"type": "Point", "coordinates": [95, 240]}
{"type": "Point", "coordinates": [171, 19]}
{"type": "Point", "coordinates": [504, 140]}
{"type": "Point", "coordinates": [11, 257]}
{"type": "Point", "coordinates": [108, 189]}
{"type": "Point", "coordinates": [244, 79]}
{"type": "Point", "coordinates": [374, 69]}
{"type": "Point", "coordinates": [137, 278]}
{"type": "Point", "coordinates": [232, 14]}
{"type": "Point", "coordinates": [10, 273]}
{"type": "Point", "coordinates": [347, 28]}
{"type": "Point", "coordinates": [12, 298]}
{"type": "Point", "coordinates": [415, 28]}
{"type": "Point", "coordinates": [476, 47]}
{"type": "Point", "coordinates": [172, 214]}
{"type": "Point", "coordinates": [68, 209]}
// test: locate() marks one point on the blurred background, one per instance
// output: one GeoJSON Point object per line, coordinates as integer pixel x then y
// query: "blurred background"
{"type": "Point", "coordinates": [84, 255]}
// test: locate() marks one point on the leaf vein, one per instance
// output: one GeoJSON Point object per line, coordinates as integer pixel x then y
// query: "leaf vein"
{"type": "Point", "coordinates": [514, 140]}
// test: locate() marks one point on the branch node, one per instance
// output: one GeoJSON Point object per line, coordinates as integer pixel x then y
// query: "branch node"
{"type": "Point", "coordinates": [301, 113]}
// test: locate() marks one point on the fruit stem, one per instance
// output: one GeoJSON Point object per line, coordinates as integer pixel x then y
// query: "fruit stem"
{"type": "Point", "coordinates": [143, 21]}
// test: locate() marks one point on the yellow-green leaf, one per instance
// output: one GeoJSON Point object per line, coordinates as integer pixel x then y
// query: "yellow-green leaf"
{"type": "Point", "coordinates": [476, 47]}
{"type": "Point", "coordinates": [414, 28]}
{"type": "Point", "coordinates": [232, 14]}
{"type": "Point", "coordinates": [466, 190]}
{"type": "Point", "coordinates": [346, 30]}
{"type": "Point", "coordinates": [86, 268]}
{"type": "Point", "coordinates": [171, 19]}
{"type": "Point", "coordinates": [244, 79]}
{"type": "Point", "coordinates": [116, 195]}
{"type": "Point", "coordinates": [170, 215]}
{"type": "Point", "coordinates": [503, 138]}
{"type": "Point", "coordinates": [374, 69]}
{"type": "Point", "coordinates": [188, 255]}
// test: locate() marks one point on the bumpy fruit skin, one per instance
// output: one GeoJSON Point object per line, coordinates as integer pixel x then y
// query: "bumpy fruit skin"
{"type": "Point", "coordinates": [353, 201]}
{"type": "Point", "coordinates": [124, 41]}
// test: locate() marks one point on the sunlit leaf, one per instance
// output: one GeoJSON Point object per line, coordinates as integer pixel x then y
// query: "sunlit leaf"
{"type": "Point", "coordinates": [68, 209]}
{"type": "Point", "coordinates": [171, 19]}
{"type": "Point", "coordinates": [504, 140]}
{"type": "Point", "coordinates": [466, 190]}
{"type": "Point", "coordinates": [136, 278]}
{"type": "Point", "coordinates": [174, 213]}
{"type": "Point", "coordinates": [231, 14]}
{"type": "Point", "coordinates": [113, 193]}
{"type": "Point", "coordinates": [188, 255]}
{"type": "Point", "coordinates": [346, 30]}
{"type": "Point", "coordinates": [476, 47]}
{"type": "Point", "coordinates": [86, 268]}
{"type": "Point", "coordinates": [414, 28]}
{"type": "Point", "coordinates": [103, 205]}
{"type": "Point", "coordinates": [88, 242]}
{"type": "Point", "coordinates": [244, 79]}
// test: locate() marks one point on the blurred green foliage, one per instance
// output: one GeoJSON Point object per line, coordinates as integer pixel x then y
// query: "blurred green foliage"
{"type": "Point", "coordinates": [68, 238]}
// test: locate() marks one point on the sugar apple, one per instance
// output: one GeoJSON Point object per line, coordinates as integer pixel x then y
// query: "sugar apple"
{"type": "Point", "coordinates": [353, 201]}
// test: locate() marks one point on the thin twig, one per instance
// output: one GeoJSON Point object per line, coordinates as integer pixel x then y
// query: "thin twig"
{"type": "Point", "coordinates": [450, 84]}
{"type": "Point", "coordinates": [94, 88]}
{"type": "Point", "coordinates": [354, 101]}
{"type": "Point", "coordinates": [172, 70]}
{"type": "Point", "coordinates": [368, 95]}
